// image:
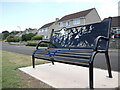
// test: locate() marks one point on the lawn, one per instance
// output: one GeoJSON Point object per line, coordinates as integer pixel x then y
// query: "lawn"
{"type": "Point", "coordinates": [10, 64]}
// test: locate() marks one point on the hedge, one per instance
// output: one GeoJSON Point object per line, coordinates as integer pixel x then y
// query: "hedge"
{"type": "Point", "coordinates": [26, 37]}
{"type": "Point", "coordinates": [34, 44]}
{"type": "Point", "coordinates": [36, 38]}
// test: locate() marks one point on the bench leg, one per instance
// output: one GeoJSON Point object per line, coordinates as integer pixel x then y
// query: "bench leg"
{"type": "Point", "coordinates": [91, 76]}
{"type": "Point", "coordinates": [108, 64]}
{"type": "Point", "coordinates": [52, 62]}
{"type": "Point", "coordinates": [33, 61]}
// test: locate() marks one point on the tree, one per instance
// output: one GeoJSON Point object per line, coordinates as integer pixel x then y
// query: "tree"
{"type": "Point", "coordinates": [14, 32]}
{"type": "Point", "coordinates": [5, 34]}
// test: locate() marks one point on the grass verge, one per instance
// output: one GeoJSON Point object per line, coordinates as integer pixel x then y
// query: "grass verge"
{"type": "Point", "coordinates": [10, 63]}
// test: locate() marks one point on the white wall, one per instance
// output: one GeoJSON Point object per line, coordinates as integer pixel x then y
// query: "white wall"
{"type": "Point", "coordinates": [92, 17]}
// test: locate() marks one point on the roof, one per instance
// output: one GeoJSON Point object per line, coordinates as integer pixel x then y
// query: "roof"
{"type": "Point", "coordinates": [76, 15]}
{"type": "Point", "coordinates": [115, 21]}
{"type": "Point", "coordinates": [47, 25]}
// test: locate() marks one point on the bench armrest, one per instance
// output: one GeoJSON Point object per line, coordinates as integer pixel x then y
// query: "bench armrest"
{"type": "Point", "coordinates": [44, 41]}
{"type": "Point", "coordinates": [97, 40]}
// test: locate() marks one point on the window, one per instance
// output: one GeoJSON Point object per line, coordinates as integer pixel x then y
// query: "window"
{"type": "Point", "coordinates": [67, 23]}
{"type": "Point", "coordinates": [76, 21]}
{"type": "Point", "coordinates": [46, 29]}
{"type": "Point", "coordinates": [39, 31]}
{"type": "Point", "coordinates": [61, 24]}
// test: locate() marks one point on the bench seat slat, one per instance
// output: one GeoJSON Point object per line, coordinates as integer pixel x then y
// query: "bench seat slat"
{"type": "Point", "coordinates": [73, 63]}
{"type": "Point", "coordinates": [78, 51]}
{"type": "Point", "coordinates": [73, 47]}
{"type": "Point", "coordinates": [80, 60]}
{"type": "Point", "coordinates": [58, 57]}
{"type": "Point", "coordinates": [41, 56]}
{"type": "Point", "coordinates": [65, 61]}
{"type": "Point", "coordinates": [62, 52]}
{"type": "Point", "coordinates": [70, 53]}
{"type": "Point", "coordinates": [64, 55]}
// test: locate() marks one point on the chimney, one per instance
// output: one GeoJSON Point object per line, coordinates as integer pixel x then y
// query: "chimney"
{"type": "Point", "coordinates": [56, 19]}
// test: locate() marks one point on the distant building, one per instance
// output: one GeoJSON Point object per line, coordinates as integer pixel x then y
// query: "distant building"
{"type": "Point", "coordinates": [76, 19]}
{"type": "Point", "coordinates": [19, 34]}
{"type": "Point", "coordinates": [115, 25]}
{"type": "Point", "coordinates": [27, 31]}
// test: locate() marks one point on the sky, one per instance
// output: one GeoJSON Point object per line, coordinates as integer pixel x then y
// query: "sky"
{"type": "Point", "coordinates": [21, 14]}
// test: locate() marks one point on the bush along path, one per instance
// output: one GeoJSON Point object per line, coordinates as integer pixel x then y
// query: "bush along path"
{"type": "Point", "coordinates": [34, 44]}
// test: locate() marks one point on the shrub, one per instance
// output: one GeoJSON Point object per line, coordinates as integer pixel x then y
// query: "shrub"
{"type": "Point", "coordinates": [26, 37]}
{"type": "Point", "coordinates": [43, 45]}
{"type": "Point", "coordinates": [13, 39]}
{"type": "Point", "coordinates": [31, 44]}
{"type": "Point", "coordinates": [34, 44]}
{"type": "Point", "coordinates": [36, 38]}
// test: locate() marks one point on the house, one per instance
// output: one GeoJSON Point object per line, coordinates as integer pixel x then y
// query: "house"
{"type": "Point", "coordinates": [76, 19]}
{"type": "Point", "coordinates": [115, 23]}
{"type": "Point", "coordinates": [115, 27]}
{"type": "Point", "coordinates": [30, 30]}
{"type": "Point", "coordinates": [27, 31]}
{"type": "Point", "coordinates": [80, 18]}
{"type": "Point", "coordinates": [19, 34]}
{"type": "Point", "coordinates": [45, 30]}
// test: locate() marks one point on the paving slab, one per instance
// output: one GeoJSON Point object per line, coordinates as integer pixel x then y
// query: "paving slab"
{"type": "Point", "coordinates": [70, 76]}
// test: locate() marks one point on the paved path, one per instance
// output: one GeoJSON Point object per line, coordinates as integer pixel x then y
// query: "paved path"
{"type": "Point", "coordinates": [99, 59]}
{"type": "Point", "coordinates": [70, 76]}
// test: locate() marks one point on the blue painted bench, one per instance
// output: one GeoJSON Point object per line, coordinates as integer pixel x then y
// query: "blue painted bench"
{"type": "Point", "coordinates": [77, 46]}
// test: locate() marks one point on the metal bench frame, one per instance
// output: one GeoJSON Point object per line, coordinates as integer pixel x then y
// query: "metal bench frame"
{"type": "Point", "coordinates": [90, 65]}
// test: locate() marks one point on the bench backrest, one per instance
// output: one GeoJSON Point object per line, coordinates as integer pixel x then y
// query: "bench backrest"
{"type": "Point", "coordinates": [81, 36]}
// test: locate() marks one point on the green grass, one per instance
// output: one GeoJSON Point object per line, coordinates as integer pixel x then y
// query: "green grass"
{"type": "Point", "coordinates": [10, 63]}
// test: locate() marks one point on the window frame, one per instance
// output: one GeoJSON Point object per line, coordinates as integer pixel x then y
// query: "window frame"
{"type": "Point", "coordinates": [76, 21]}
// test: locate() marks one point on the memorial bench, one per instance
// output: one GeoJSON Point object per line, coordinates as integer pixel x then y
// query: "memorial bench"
{"type": "Point", "coordinates": [77, 46]}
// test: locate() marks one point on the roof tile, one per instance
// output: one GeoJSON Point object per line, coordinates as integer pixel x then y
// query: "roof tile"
{"type": "Point", "coordinates": [47, 25]}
